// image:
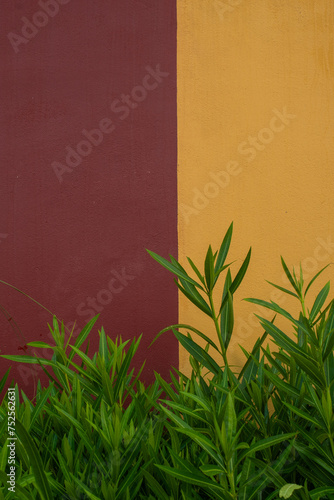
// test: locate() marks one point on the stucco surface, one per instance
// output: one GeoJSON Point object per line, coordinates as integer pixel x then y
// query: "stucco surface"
{"type": "Point", "coordinates": [255, 143]}
{"type": "Point", "coordinates": [88, 171]}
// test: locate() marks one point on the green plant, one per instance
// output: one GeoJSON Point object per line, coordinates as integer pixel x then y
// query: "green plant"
{"type": "Point", "coordinates": [214, 415]}
{"type": "Point", "coordinates": [302, 372]}
{"type": "Point", "coordinates": [96, 432]}
{"type": "Point", "coordinates": [200, 291]}
{"type": "Point", "coordinates": [84, 437]}
{"type": "Point", "coordinates": [245, 449]}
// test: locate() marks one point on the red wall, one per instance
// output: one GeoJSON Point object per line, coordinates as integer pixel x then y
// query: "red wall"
{"type": "Point", "coordinates": [71, 225]}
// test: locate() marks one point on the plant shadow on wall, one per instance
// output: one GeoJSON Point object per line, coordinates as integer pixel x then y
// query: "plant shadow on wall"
{"type": "Point", "coordinates": [267, 432]}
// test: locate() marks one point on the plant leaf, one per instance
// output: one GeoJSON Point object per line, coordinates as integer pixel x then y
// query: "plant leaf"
{"type": "Point", "coordinates": [83, 335]}
{"type": "Point", "coordinates": [263, 444]}
{"type": "Point", "coordinates": [224, 248]}
{"type": "Point", "coordinates": [238, 279]}
{"type": "Point", "coordinates": [187, 327]}
{"type": "Point", "coordinates": [175, 270]}
{"type": "Point", "coordinates": [42, 482]}
{"type": "Point", "coordinates": [290, 278]}
{"type": "Point", "coordinates": [314, 278]}
{"type": "Point", "coordinates": [199, 275]}
{"type": "Point", "coordinates": [199, 480]}
{"type": "Point", "coordinates": [209, 268]}
{"type": "Point", "coordinates": [199, 354]}
{"type": "Point", "coordinates": [227, 316]}
{"type": "Point", "coordinates": [287, 490]}
{"type": "Point", "coordinates": [319, 301]}
{"type": "Point", "coordinates": [285, 290]}
{"type": "Point", "coordinates": [194, 296]}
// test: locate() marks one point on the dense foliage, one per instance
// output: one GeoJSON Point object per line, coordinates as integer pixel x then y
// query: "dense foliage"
{"type": "Point", "coordinates": [266, 432]}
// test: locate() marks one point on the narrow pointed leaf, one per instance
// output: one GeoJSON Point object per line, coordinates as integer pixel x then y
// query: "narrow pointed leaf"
{"type": "Point", "coordinates": [276, 467]}
{"type": "Point", "coordinates": [281, 338]}
{"type": "Point", "coordinates": [224, 248]}
{"type": "Point", "coordinates": [314, 278]}
{"type": "Point", "coordinates": [302, 414]}
{"type": "Point", "coordinates": [39, 407]}
{"type": "Point", "coordinates": [199, 354]}
{"type": "Point", "coordinates": [195, 269]}
{"type": "Point", "coordinates": [238, 279]}
{"type": "Point", "coordinates": [192, 294]}
{"type": "Point", "coordinates": [255, 350]}
{"type": "Point", "coordinates": [199, 480]}
{"type": "Point", "coordinates": [211, 470]}
{"type": "Point", "coordinates": [209, 268]}
{"type": "Point", "coordinates": [155, 486]}
{"type": "Point", "coordinates": [263, 444]}
{"type": "Point", "coordinates": [175, 270]}
{"type": "Point", "coordinates": [321, 492]}
{"type": "Point", "coordinates": [4, 380]}
{"type": "Point", "coordinates": [319, 301]}
{"type": "Point", "coordinates": [83, 334]}
{"type": "Point", "coordinates": [272, 306]}
{"type": "Point", "coordinates": [40, 344]}
{"type": "Point", "coordinates": [328, 347]}
{"type": "Point", "coordinates": [42, 482]}
{"type": "Point", "coordinates": [311, 368]}
{"type": "Point", "coordinates": [290, 278]}
{"type": "Point", "coordinates": [187, 327]}
{"type": "Point", "coordinates": [285, 290]}
{"type": "Point", "coordinates": [21, 358]}
{"type": "Point", "coordinates": [227, 316]}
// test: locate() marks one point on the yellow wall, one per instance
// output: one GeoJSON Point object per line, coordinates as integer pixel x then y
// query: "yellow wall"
{"type": "Point", "coordinates": [240, 64]}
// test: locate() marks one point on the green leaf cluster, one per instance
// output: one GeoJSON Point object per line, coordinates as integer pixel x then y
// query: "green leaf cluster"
{"type": "Point", "coordinates": [264, 431]}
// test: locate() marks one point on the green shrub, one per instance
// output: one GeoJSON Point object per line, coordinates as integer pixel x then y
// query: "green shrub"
{"type": "Point", "coordinates": [88, 428]}
{"type": "Point", "coordinates": [267, 432]}
{"type": "Point", "coordinates": [241, 447]}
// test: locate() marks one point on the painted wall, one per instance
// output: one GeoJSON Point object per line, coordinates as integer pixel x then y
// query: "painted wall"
{"type": "Point", "coordinates": [89, 176]}
{"type": "Point", "coordinates": [89, 154]}
{"type": "Point", "coordinates": [255, 143]}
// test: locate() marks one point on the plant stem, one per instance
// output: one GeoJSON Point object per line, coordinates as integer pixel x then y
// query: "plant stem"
{"type": "Point", "coordinates": [302, 301]}
{"type": "Point", "coordinates": [331, 440]}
